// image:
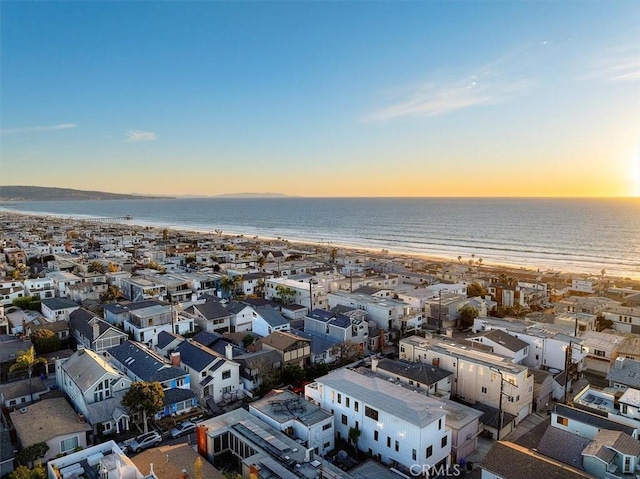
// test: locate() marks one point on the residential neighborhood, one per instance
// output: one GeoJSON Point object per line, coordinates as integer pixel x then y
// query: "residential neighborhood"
{"type": "Point", "coordinates": [120, 345]}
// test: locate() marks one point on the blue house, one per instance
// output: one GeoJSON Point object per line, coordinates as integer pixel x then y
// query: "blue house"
{"type": "Point", "coordinates": [142, 364]}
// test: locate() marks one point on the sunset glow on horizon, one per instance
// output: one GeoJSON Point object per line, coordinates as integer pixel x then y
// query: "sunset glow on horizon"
{"type": "Point", "coordinates": [316, 99]}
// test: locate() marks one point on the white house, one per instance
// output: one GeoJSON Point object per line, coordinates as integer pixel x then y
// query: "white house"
{"type": "Point", "coordinates": [267, 320]}
{"type": "Point", "coordinates": [210, 375]}
{"type": "Point", "coordinates": [625, 319]}
{"type": "Point", "coordinates": [479, 377]}
{"type": "Point", "coordinates": [504, 344]}
{"type": "Point", "coordinates": [387, 313]}
{"type": "Point", "coordinates": [40, 287]}
{"type": "Point", "coordinates": [338, 327]}
{"type": "Point", "coordinates": [61, 280]}
{"type": "Point", "coordinates": [95, 388]}
{"type": "Point", "coordinates": [398, 428]}
{"type": "Point", "coordinates": [58, 309]}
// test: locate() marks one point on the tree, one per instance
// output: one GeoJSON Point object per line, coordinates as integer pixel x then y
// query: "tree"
{"type": "Point", "coordinates": [31, 453]}
{"type": "Point", "coordinates": [333, 254]}
{"type": "Point", "coordinates": [113, 267]}
{"type": "Point", "coordinates": [113, 293]}
{"type": "Point", "coordinates": [261, 262]}
{"type": "Point", "coordinates": [354, 436]}
{"type": "Point", "coordinates": [165, 234]}
{"type": "Point", "coordinates": [293, 375]}
{"type": "Point", "coordinates": [146, 398]}
{"type": "Point", "coordinates": [28, 302]}
{"type": "Point", "coordinates": [27, 360]}
{"type": "Point", "coordinates": [247, 340]}
{"type": "Point", "coordinates": [346, 351]}
{"type": "Point", "coordinates": [95, 267]}
{"type": "Point", "coordinates": [23, 472]}
{"type": "Point", "coordinates": [45, 341]}
{"type": "Point", "coordinates": [285, 294]}
{"type": "Point", "coordinates": [467, 314]}
{"type": "Point", "coordinates": [476, 289]}
{"type": "Point", "coordinates": [197, 468]}
{"type": "Point", "coordinates": [228, 285]}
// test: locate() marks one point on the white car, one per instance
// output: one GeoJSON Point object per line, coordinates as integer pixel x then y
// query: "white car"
{"type": "Point", "coordinates": [183, 428]}
{"type": "Point", "coordinates": [144, 441]}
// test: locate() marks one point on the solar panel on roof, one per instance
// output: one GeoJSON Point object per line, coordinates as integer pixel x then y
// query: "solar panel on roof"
{"type": "Point", "coordinates": [270, 438]}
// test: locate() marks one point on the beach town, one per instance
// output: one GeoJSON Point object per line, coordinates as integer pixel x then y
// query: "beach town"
{"type": "Point", "coordinates": [132, 351]}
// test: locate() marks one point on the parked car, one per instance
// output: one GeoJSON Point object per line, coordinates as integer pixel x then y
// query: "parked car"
{"type": "Point", "coordinates": [143, 441]}
{"type": "Point", "coordinates": [183, 428]}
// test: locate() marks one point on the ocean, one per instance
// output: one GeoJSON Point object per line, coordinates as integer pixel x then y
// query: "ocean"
{"type": "Point", "coordinates": [576, 235]}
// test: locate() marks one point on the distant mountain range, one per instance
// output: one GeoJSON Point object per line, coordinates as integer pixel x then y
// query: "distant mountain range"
{"type": "Point", "coordinates": [42, 193]}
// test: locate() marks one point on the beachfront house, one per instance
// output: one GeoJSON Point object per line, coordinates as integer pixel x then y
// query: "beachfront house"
{"type": "Point", "coordinates": [624, 318]}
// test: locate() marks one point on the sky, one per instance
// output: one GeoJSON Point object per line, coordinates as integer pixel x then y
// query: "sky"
{"type": "Point", "coordinates": [322, 98]}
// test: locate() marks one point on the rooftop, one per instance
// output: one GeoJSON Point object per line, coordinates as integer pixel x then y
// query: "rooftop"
{"type": "Point", "coordinates": [379, 393]}
{"type": "Point", "coordinates": [46, 420]}
{"type": "Point", "coordinates": [284, 406]}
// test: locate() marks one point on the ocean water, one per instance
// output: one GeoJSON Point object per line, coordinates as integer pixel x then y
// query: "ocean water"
{"type": "Point", "coordinates": [577, 235]}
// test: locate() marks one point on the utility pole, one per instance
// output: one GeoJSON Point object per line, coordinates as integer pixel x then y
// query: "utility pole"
{"type": "Point", "coordinates": [567, 361]}
{"type": "Point", "coordinates": [439, 311]}
{"type": "Point", "coordinates": [500, 412]}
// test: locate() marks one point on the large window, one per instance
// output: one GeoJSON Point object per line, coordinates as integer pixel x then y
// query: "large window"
{"type": "Point", "coordinates": [429, 452]}
{"type": "Point", "coordinates": [69, 444]}
{"type": "Point", "coordinates": [562, 420]}
{"type": "Point", "coordinates": [226, 374]}
{"type": "Point", "coordinates": [372, 413]}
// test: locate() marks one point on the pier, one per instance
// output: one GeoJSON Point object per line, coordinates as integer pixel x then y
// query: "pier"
{"type": "Point", "coordinates": [112, 218]}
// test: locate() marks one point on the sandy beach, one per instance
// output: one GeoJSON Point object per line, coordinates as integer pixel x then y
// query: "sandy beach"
{"type": "Point", "coordinates": [396, 261]}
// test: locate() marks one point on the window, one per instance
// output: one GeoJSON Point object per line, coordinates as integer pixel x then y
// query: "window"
{"type": "Point", "coordinates": [429, 452]}
{"type": "Point", "coordinates": [484, 390]}
{"type": "Point", "coordinates": [439, 424]}
{"type": "Point", "coordinates": [375, 435]}
{"type": "Point", "coordinates": [344, 419]}
{"type": "Point", "coordinates": [226, 389]}
{"type": "Point", "coordinates": [624, 409]}
{"type": "Point", "coordinates": [355, 406]}
{"type": "Point", "coordinates": [562, 420]}
{"type": "Point", "coordinates": [326, 445]}
{"type": "Point", "coordinates": [226, 374]}
{"type": "Point", "coordinates": [339, 398]}
{"type": "Point", "coordinates": [203, 374]}
{"type": "Point", "coordinates": [388, 441]}
{"type": "Point", "coordinates": [443, 441]}
{"type": "Point", "coordinates": [346, 401]}
{"type": "Point", "coordinates": [414, 454]}
{"type": "Point", "coordinates": [326, 426]}
{"type": "Point", "coordinates": [598, 352]}
{"type": "Point", "coordinates": [69, 444]}
{"type": "Point", "coordinates": [397, 446]}
{"type": "Point", "coordinates": [372, 413]}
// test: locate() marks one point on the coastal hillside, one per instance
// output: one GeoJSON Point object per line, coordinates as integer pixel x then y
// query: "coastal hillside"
{"type": "Point", "coordinates": [41, 193]}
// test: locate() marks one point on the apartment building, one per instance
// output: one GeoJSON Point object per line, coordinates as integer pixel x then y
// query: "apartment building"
{"type": "Point", "coordinates": [478, 376]}
{"type": "Point", "coordinates": [398, 427]}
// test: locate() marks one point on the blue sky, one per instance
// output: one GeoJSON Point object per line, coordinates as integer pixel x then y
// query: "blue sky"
{"type": "Point", "coordinates": [323, 98]}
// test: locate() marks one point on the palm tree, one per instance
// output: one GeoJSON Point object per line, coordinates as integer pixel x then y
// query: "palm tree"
{"type": "Point", "coordinates": [27, 360]}
{"type": "Point", "coordinates": [460, 259]}
{"type": "Point", "coordinates": [113, 292]}
{"type": "Point", "coordinates": [261, 262]}
{"type": "Point", "coordinates": [228, 284]}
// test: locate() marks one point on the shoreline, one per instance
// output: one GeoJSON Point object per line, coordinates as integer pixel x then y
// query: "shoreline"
{"type": "Point", "coordinates": [389, 256]}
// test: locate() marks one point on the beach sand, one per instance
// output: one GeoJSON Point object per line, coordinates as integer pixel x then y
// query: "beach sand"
{"type": "Point", "coordinates": [418, 262]}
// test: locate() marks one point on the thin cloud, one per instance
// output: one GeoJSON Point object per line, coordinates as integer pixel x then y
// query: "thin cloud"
{"type": "Point", "coordinates": [483, 88]}
{"type": "Point", "coordinates": [616, 64]}
{"type": "Point", "coordinates": [32, 129]}
{"type": "Point", "coordinates": [141, 136]}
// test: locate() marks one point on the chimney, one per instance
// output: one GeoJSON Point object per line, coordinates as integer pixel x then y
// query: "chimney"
{"type": "Point", "coordinates": [96, 329]}
{"type": "Point", "coordinates": [175, 358]}
{"type": "Point", "coordinates": [374, 364]}
{"type": "Point", "coordinates": [228, 351]}
{"type": "Point", "coordinates": [618, 363]}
